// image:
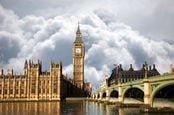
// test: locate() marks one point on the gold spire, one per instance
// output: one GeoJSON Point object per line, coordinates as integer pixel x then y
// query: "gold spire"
{"type": "Point", "coordinates": [78, 34]}
{"type": "Point", "coordinates": [78, 29]}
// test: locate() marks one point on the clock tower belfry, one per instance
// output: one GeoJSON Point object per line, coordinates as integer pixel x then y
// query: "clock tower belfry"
{"type": "Point", "coordinates": [78, 53]}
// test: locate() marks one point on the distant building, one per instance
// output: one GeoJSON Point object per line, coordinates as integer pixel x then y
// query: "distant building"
{"type": "Point", "coordinates": [103, 83]}
{"type": "Point", "coordinates": [35, 84]}
{"type": "Point", "coordinates": [88, 88]}
{"type": "Point", "coordinates": [171, 70]}
{"type": "Point", "coordinates": [122, 76]}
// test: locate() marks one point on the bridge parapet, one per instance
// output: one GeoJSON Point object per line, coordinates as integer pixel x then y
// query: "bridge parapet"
{"type": "Point", "coordinates": [161, 77]}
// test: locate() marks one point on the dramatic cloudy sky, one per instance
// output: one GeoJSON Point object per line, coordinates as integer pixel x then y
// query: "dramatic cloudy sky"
{"type": "Point", "coordinates": [114, 31]}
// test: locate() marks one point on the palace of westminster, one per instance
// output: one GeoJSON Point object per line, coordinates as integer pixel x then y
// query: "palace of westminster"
{"type": "Point", "coordinates": [37, 85]}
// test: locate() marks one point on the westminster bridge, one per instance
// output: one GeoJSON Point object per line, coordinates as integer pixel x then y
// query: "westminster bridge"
{"type": "Point", "coordinates": [142, 91]}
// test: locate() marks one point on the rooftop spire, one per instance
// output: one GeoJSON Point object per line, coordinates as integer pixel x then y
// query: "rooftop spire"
{"type": "Point", "coordinates": [26, 64]}
{"type": "Point", "coordinates": [78, 28]}
{"type": "Point", "coordinates": [78, 34]}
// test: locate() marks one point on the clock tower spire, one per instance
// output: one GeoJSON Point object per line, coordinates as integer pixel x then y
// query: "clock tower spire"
{"type": "Point", "coordinates": [78, 53]}
{"type": "Point", "coordinates": [78, 35]}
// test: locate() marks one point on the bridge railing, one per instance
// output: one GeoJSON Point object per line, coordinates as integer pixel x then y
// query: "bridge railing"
{"type": "Point", "coordinates": [161, 77]}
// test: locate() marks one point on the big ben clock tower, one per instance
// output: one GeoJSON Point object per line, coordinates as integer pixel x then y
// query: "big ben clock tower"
{"type": "Point", "coordinates": [78, 53]}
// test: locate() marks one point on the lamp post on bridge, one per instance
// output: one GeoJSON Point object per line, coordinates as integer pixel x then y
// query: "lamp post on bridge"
{"type": "Point", "coordinates": [146, 69]}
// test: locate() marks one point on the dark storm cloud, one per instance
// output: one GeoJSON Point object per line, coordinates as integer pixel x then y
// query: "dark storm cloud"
{"type": "Point", "coordinates": [139, 54]}
{"type": "Point", "coordinates": [153, 19]}
{"type": "Point", "coordinates": [9, 47]}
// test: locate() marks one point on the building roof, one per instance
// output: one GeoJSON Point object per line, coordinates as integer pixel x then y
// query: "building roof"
{"type": "Point", "coordinates": [119, 73]}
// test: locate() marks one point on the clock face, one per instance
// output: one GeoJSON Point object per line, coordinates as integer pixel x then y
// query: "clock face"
{"type": "Point", "coordinates": [78, 50]}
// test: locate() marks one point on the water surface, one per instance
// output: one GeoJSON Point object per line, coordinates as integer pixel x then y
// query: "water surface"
{"type": "Point", "coordinates": [65, 108]}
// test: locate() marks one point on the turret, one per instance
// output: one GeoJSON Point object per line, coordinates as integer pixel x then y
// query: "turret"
{"type": "Point", "coordinates": [10, 72]}
{"type": "Point", "coordinates": [171, 69]}
{"type": "Point", "coordinates": [60, 66]}
{"type": "Point", "coordinates": [26, 64]}
{"type": "Point", "coordinates": [26, 68]}
{"type": "Point", "coordinates": [40, 65]}
{"type": "Point", "coordinates": [154, 68]}
{"type": "Point", "coordinates": [34, 70]}
{"type": "Point", "coordinates": [150, 68]}
{"type": "Point", "coordinates": [131, 68]}
{"type": "Point", "coordinates": [56, 69]}
{"type": "Point", "coordinates": [1, 71]}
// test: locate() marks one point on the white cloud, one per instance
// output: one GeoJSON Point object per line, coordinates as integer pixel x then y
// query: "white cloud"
{"type": "Point", "coordinates": [107, 40]}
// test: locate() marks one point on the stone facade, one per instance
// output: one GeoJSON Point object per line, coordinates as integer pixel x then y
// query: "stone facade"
{"type": "Point", "coordinates": [33, 84]}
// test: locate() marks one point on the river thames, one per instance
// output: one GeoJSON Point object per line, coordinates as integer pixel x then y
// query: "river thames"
{"type": "Point", "coordinates": [65, 108]}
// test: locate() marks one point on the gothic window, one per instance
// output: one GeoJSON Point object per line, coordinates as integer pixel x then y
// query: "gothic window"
{"type": "Point", "coordinates": [16, 91]}
{"type": "Point", "coordinates": [22, 83]}
{"type": "Point", "coordinates": [6, 83]}
{"type": "Point", "coordinates": [78, 62]}
{"type": "Point", "coordinates": [55, 90]}
{"type": "Point", "coordinates": [33, 82]}
{"type": "Point", "coordinates": [39, 82]}
{"type": "Point", "coordinates": [11, 91]}
{"type": "Point", "coordinates": [5, 91]}
{"type": "Point", "coordinates": [39, 90]}
{"type": "Point", "coordinates": [43, 90]}
{"type": "Point", "coordinates": [11, 83]}
{"type": "Point", "coordinates": [17, 83]}
{"type": "Point", "coordinates": [33, 90]}
{"type": "Point", "coordinates": [55, 82]}
{"type": "Point", "coordinates": [55, 73]}
{"type": "Point", "coordinates": [22, 91]}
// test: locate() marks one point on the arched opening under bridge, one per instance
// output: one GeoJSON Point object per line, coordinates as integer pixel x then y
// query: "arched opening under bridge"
{"type": "Point", "coordinates": [163, 96]}
{"type": "Point", "coordinates": [114, 94]}
{"type": "Point", "coordinates": [104, 95]}
{"type": "Point", "coordinates": [134, 96]}
{"type": "Point", "coordinates": [98, 96]}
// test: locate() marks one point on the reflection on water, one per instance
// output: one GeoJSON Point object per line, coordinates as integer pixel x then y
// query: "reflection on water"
{"type": "Point", "coordinates": [30, 108]}
{"type": "Point", "coordinates": [103, 109]}
{"type": "Point", "coordinates": [65, 108]}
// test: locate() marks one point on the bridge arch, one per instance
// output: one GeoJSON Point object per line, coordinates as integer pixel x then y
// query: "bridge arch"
{"type": "Point", "coordinates": [98, 96]}
{"type": "Point", "coordinates": [94, 96]}
{"type": "Point", "coordinates": [114, 93]}
{"type": "Point", "coordinates": [104, 95]}
{"type": "Point", "coordinates": [158, 88]}
{"type": "Point", "coordinates": [137, 87]}
{"type": "Point", "coordinates": [134, 92]}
